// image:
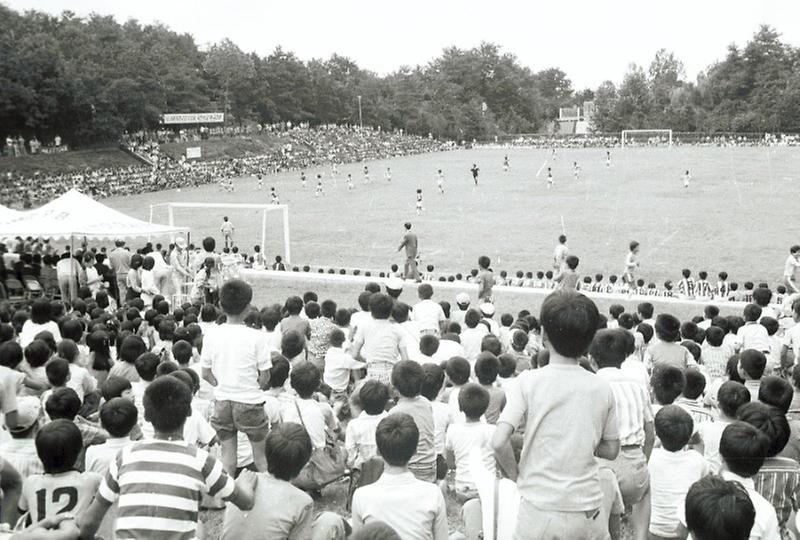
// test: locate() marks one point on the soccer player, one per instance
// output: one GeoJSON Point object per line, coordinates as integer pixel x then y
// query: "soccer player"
{"type": "Point", "coordinates": [350, 185]}
{"type": "Point", "coordinates": [388, 174]}
{"type": "Point", "coordinates": [505, 164]}
{"type": "Point", "coordinates": [790, 269]}
{"type": "Point", "coordinates": [686, 179]}
{"type": "Point", "coordinates": [303, 179]}
{"type": "Point", "coordinates": [608, 158]}
{"type": "Point", "coordinates": [549, 177]}
{"type": "Point", "coordinates": [366, 174]}
{"type": "Point", "coordinates": [227, 229]}
{"type": "Point", "coordinates": [273, 195]}
{"type": "Point", "coordinates": [440, 181]}
{"type": "Point", "coordinates": [554, 154]}
{"type": "Point", "coordinates": [260, 181]}
{"type": "Point", "coordinates": [419, 201]}
{"type": "Point", "coordinates": [318, 191]}
{"type": "Point", "coordinates": [576, 171]}
{"type": "Point", "coordinates": [475, 170]}
{"type": "Point", "coordinates": [631, 264]}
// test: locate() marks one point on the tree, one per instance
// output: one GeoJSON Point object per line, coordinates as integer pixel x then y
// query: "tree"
{"type": "Point", "coordinates": [634, 103]}
{"type": "Point", "coordinates": [232, 69]}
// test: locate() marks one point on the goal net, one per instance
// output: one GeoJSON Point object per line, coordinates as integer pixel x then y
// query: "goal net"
{"type": "Point", "coordinates": [646, 137]}
{"type": "Point", "coordinates": [250, 222]}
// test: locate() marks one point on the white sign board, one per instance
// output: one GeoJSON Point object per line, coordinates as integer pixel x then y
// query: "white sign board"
{"type": "Point", "coordinates": [194, 118]}
{"type": "Point", "coordinates": [193, 152]}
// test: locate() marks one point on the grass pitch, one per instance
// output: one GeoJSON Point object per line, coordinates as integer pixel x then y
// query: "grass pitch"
{"type": "Point", "coordinates": [738, 214]}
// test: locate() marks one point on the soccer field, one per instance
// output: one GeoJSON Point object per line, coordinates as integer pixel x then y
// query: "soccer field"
{"type": "Point", "coordinates": [738, 215]}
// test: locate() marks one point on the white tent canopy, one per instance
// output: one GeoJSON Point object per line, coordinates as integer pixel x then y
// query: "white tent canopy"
{"type": "Point", "coordinates": [74, 214]}
{"type": "Point", "coordinates": [7, 213]}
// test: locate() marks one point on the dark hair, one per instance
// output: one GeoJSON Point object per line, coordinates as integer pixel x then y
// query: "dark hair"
{"type": "Point", "coordinates": [279, 371]}
{"type": "Point", "coordinates": [569, 320]}
{"type": "Point", "coordinates": [646, 310]}
{"type": "Point", "coordinates": [63, 403]}
{"type": "Point", "coordinates": [762, 296]}
{"type": "Point", "coordinates": [118, 416]}
{"type": "Point", "coordinates": [294, 305]}
{"type": "Point", "coordinates": [292, 343]}
{"type": "Point", "coordinates": [719, 510]}
{"type": "Point", "coordinates": [167, 404]}
{"type": "Point", "coordinates": [41, 311]}
{"type": "Point", "coordinates": [373, 396]}
{"type": "Point", "coordinates": [57, 371]}
{"type": "Point", "coordinates": [396, 438]}
{"type": "Point", "coordinates": [458, 370]}
{"type": "Point", "coordinates": [743, 448]}
{"type": "Point", "coordinates": [730, 396]}
{"type": "Point", "coordinates": [312, 310]}
{"type": "Point", "coordinates": [770, 421]}
{"type": "Point", "coordinates": [668, 327]}
{"type": "Point", "coordinates": [114, 386]}
{"type": "Point", "coordinates": [37, 353]}
{"type": "Point", "coordinates": [58, 445]}
{"type": "Point", "coordinates": [432, 381]}
{"type": "Point", "coordinates": [491, 343]}
{"type": "Point", "coordinates": [609, 348]}
{"type": "Point", "coordinates": [407, 378]}
{"type": "Point", "coordinates": [146, 366]}
{"type": "Point", "coordinates": [288, 449]}
{"type": "Point", "coordinates": [472, 317]}
{"type": "Point", "coordinates": [234, 296]}
{"type": "Point", "coordinates": [714, 336]}
{"type": "Point", "coordinates": [508, 365]}
{"type": "Point", "coordinates": [132, 348]}
{"type": "Point", "coordinates": [10, 354]}
{"type": "Point", "coordinates": [674, 427]}
{"type": "Point", "coordinates": [167, 367]}
{"type": "Point", "coordinates": [486, 368]}
{"type": "Point", "coordinates": [753, 363]}
{"type": "Point", "coordinates": [182, 351]}
{"type": "Point", "coordinates": [751, 312]}
{"type": "Point", "coordinates": [776, 392]}
{"type": "Point", "coordinates": [473, 400]}
{"type": "Point", "coordinates": [380, 306]}
{"type": "Point", "coordinates": [305, 379]}
{"type": "Point", "coordinates": [667, 382]}
{"type": "Point", "coordinates": [428, 344]}
{"type": "Point", "coordinates": [695, 383]}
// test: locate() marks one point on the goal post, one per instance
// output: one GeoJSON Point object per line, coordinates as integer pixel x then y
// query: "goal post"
{"type": "Point", "coordinates": [265, 209]}
{"type": "Point", "coordinates": [649, 136]}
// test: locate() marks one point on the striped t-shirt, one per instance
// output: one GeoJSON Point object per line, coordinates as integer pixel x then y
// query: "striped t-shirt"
{"type": "Point", "coordinates": [159, 485]}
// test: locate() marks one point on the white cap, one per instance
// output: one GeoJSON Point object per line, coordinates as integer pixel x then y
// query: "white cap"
{"type": "Point", "coordinates": [395, 284]}
{"type": "Point", "coordinates": [180, 242]}
{"type": "Point", "coordinates": [487, 309]}
{"type": "Point", "coordinates": [29, 410]}
{"type": "Point", "coordinates": [462, 298]}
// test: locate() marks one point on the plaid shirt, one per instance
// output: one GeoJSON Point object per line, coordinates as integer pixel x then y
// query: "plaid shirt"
{"type": "Point", "coordinates": [778, 481]}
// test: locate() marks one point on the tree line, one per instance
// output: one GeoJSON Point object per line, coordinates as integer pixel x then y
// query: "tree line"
{"type": "Point", "coordinates": [90, 79]}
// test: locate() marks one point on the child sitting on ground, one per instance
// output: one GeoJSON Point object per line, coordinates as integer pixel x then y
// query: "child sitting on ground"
{"type": "Point", "coordinates": [458, 372]}
{"type": "Point", "coordinates": [20, 451]}
{"type": "Point", "coordinates": [431, 389]}
{"type": "Point", "coordinates": [57, 371]}
{"type": "Point", "coordinates": [63, 403]}
{"type": "Point", "coordinates": [691, 399]}
{"type": "Point", "coordinates": [360, 433]}
{"type": "Point", "coordinates": [673, 470]}
{"type": "Point", "coordinates": [167, 403]}
{"type": "Point", "coordinates": [486, 369]}
{"type": "Point", "coordinates": [751, 368]}
{"type": "Point", "coordinates": [118, 417]}
{"type": "Point", "coordinates": [338, 367]}
{"type": "Point", "coordinates": [412, 507]}
{"type": "Point", "coordinates": [59, 445]}
{"type": "Point", "coordinates": [667, 384]}
{"type": "Point", "coordinates": [730, 397]}
{"type": "Point", "coordinates": [717, 509]}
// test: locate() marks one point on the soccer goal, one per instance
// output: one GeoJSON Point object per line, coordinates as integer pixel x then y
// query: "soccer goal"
{"type": "Point", "coordinates": [238, 208]}
{"type": "Point", "coordinates": [646, 137]}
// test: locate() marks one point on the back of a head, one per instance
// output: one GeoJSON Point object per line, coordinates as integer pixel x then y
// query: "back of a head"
{"type": "Point", "coordinates": [313, 309]}
{"type": "Point", "coordinates": [428, 344]}
{"type": "Point", "coordinates": [473, 400]}
{"type": "Point", "coordinates": [491, 343]}
{"type": "Point", "coordinates": [432, 381]}
{"type": "Point", "coordinates": [373, 396]}
{"type": "Point", "coordinates": [674, 427]}
{"type": "Point", "coordinates": [234, 296]}
{"type": "Point", "coordinates": [58, 445]}
{"type": "Point", "coordinates": [288, 449]}
{"type": "Point", "coordinates": [114, 386]}
{"type": "Point", "coordinates": [407, 378]}
{"type": "Point", "coordinates": [743, 448]}
{"type": "Point", "coordinates": [667, 383]}
{"type": "Point", "coordinates": [714, 336]}
{"type": "Point", "coordinates": [208, 313]}
{"type": "Point", "coordinates": [305, 379]}
{"type": "Point", "coordinates": [646, 310]}
{"type": "Point", "coordinates": [400, 312]}
{"type": "Point", "coordinates": [57, 371]}
{"type": "Point", "coordinates": [695, 383]}
{"type": "Point", "coordinates": [762, 296]}
{"type": "Point", "coordinates": [380, 306]}
{"type": "Point", "coordinates": [132, 348]}
{"type": "Point", "coordinates": [776, 392]}
{"type": "Point", "coordinates": [569, 321]}
{"type": "Point", "coordinates": [396, 438]}
{"type": "Point", "coordinates": [609, 348]}
{"type": "Point", "coordinates": [486, 368]}
{"type": "Point", "coordinates": [458, 370]}
{"type": "Point", "coordinates": [167, 404]}
{"type": "Point", "coordinates": [375, 530]}
{"type": "Point", "coordinates": [751, 312]}
{"type": "Point", "coordinates": [118, 416]}
{"type": "Point", "coordinates": [37, 353]}
{"type": "Point", "coordinates": [63, 403]}
{"type": "Point", "coordinates": [182, 351]}
{"type": "Point", "coordinates": [292, 344]}
{"type": "Point", "coordinates": [279, 371]}
{"type": "Point", "coordinates": [425, 291]}
{"type": "Point", "coordinates": [770, 421]}
{"type": "Point", "coordinates": [146, 366]}
{"type": "Point", "coordinates": [753, 363]}
{"type": "Point", "coordinates": [364, 297]}
{"type": "Point", "coordinates": [667, 327]}
{"type": "Point", "coordinates": [472, 317]}
{"type": "Point", "coordinates": [270, 317]}
{"type": "Point", "coordinates": [508, 366]}
{"type": "Point", "coordinates": [717, 509]}
{"type": "Point", "coordinates": [731, 396]}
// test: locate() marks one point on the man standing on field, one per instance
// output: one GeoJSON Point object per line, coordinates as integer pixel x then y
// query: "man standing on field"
{"type": "Point", "coordinates": [410, 243]}
{"type": "Point", "coordinates": [227, 231]}
{"type": "Point", "coordinates": [790, 269]}
{"type": "Point", "coordinates": [560, 253]}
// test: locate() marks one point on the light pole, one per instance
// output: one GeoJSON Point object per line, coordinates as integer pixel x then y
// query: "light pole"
{"type": "Point", "coordinates": [360, 123]}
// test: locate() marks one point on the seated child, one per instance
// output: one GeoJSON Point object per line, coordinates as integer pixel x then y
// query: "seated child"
{"type": "Point", "coordinates": [58, 375]}
{"type": "Point", "coordinates": [118, 417]}
{"type": "Point", "coordinates": [673, 470]}
{"type": "Point", "coordinates": [20, 451]}
{"type": "Point", "coordinates": [284, 511]}
{"type": "Point", "coordinates": [777, 392]}
{"type": "Point", "coordinates": [691, 399]}
{"type": "Point", "coordinates": [486, 370]}
{"type": "Point", "coordinates": [458, 372]}
{"type": "Point", "coordinates": [359, 441]}
{"type": "Point", "coordinates": [338, 366]}
{"type": "Point", "coordinates": [58, 444]}
{"type": "Point", "coordinates": [167, 403]}
{"type": "Point", "coordinates": [64, 403]}
{"type": "Point", "coordinates": [717, 509]}
{"type": "Point", "coordinates": [431, 389]}
{"type": "Point", "coordinates": [667, 384]}
{"type": "Point", "coordinates": [412, 507]}
{"type": "Point", "coordinates": [751, 368]}
{"type": "Point", "coordinates": [730, 397]}
{"type": "Point", "coordinates": [80, 379]}
{"type": "Point", "coordinates": [316, 417]}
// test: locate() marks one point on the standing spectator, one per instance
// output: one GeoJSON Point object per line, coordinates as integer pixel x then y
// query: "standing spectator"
{"type": "Point", "coordinates": [410, 243]}
{"type": "Point", "coordinates": [178, 260]}
{"type": "Point", "coordinates": [120, 259]}
{"type": "Point", "coordinates": [227, 229]}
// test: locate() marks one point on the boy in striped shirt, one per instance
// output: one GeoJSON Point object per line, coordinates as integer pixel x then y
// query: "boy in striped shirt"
{"type": "Point", "coordinates": [159, 482]}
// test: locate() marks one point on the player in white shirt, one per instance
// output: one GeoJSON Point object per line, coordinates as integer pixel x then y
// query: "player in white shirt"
{"type": "Point", "coordinates": [560, 253]}
{"type": "Point", "coordinates": [318, 191]}
{"type": "Point", "coordinates": [576, 171]}
{"type": "Point", "coordinates": [260, 178]}
{"type": "Point", "coordinates": [631, 264]}
{"type": "Point", "coordinates": [388, 174]}
{"type": "Point", "coordinates": [303, 179]}
{"type": "Point", "coordinates": [550, 177]}
{"type": "Point", "coordinates": [440, 181]}
{"type": "Point", "coordinates": [790, 269]}
{"type": "Point", "coordinates": [366, 174]}
{"type": "Point", "coordinates": [505, 164]}
{"type": "Point", "coordinates": [419, 202]}
{"type": "Point", "coordinates": [686, 179]}
{"type": "Point", "coordinates": [273, 195]}
{"type": "Point", "coordinates": [350, 185]}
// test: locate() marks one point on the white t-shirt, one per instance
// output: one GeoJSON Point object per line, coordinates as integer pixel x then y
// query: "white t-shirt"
{"type": "Point", "coordinates": [235, 354]}
{"type": "Point", "coordinates": [471, 341]}
{"type": "Point", "coordinates": [671, 476]}
{"type": "Point", "coordinates": [442, 418]}
{"type": "Point", "coordinates": [428, 314]}
{"type": "Point", "coordinates": [99, 456]}
{"type": "Point", "coordinates": [447, 350]}
{"type": "Point", "coordinates": [314, 418]}
{"type": "Point", "coordinates": [791, 339]}
{"type": "Point", "coordinates": [71, 492]}
{"type": "Point", "coordinates": [754, 336]}
{"type": "Point", "coordinates": [711, 432]}
{"type": "Point", "coordinates": [30, 329]}
{"type": "Point", "coordinates": [461, 439]}
{"type": "Point", "coordinates": [337, 368]}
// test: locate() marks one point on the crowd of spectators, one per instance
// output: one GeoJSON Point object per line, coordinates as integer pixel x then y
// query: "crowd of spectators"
{"type": "Point", "coordinates": [652, 139]}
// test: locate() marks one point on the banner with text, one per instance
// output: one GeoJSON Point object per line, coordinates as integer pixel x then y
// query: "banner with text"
{"type": "Point", "coordinates": [194, 118]}
{"type": "Point", "coordinates": [193, 152]}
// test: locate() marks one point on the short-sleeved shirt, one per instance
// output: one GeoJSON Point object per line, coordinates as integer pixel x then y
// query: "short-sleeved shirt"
{"type": "Point", "coordinates": [235, 354]}
{"type": "Point", "coordinates": [464, 438]}
{"type": "Point", "coordinates": [428, 314]}
{"type": "Point", "coordinates": [671, 476]}
{"type": "Point", "coordinates": [632, 405]}
{"type": "Point", "coordinates": [670, 354]}
{"type": "Point", "coordinates": [359, 440]}
{"type": "Point", "coordinates": [421, 411]}
{"type": "Point", "coordinates": [558, 468]}
{"type": "Point", "coordinates": [71, 491]}
{"type": "Point", "coordinates": [790, 268]}
{"type": "Point", "coordinates": [159, 485]}
{"type": "Point", "coordinates": [381, 347]}
{"type": "Point", "coordinates": [280, 511]}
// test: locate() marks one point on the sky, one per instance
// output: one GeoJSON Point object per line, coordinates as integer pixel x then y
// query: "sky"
{"type": "Point", "coordinates": [591, 41]}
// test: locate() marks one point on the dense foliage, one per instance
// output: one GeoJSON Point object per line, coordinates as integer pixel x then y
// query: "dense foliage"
{"type": "Point", "coordinates": [90, 79]}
